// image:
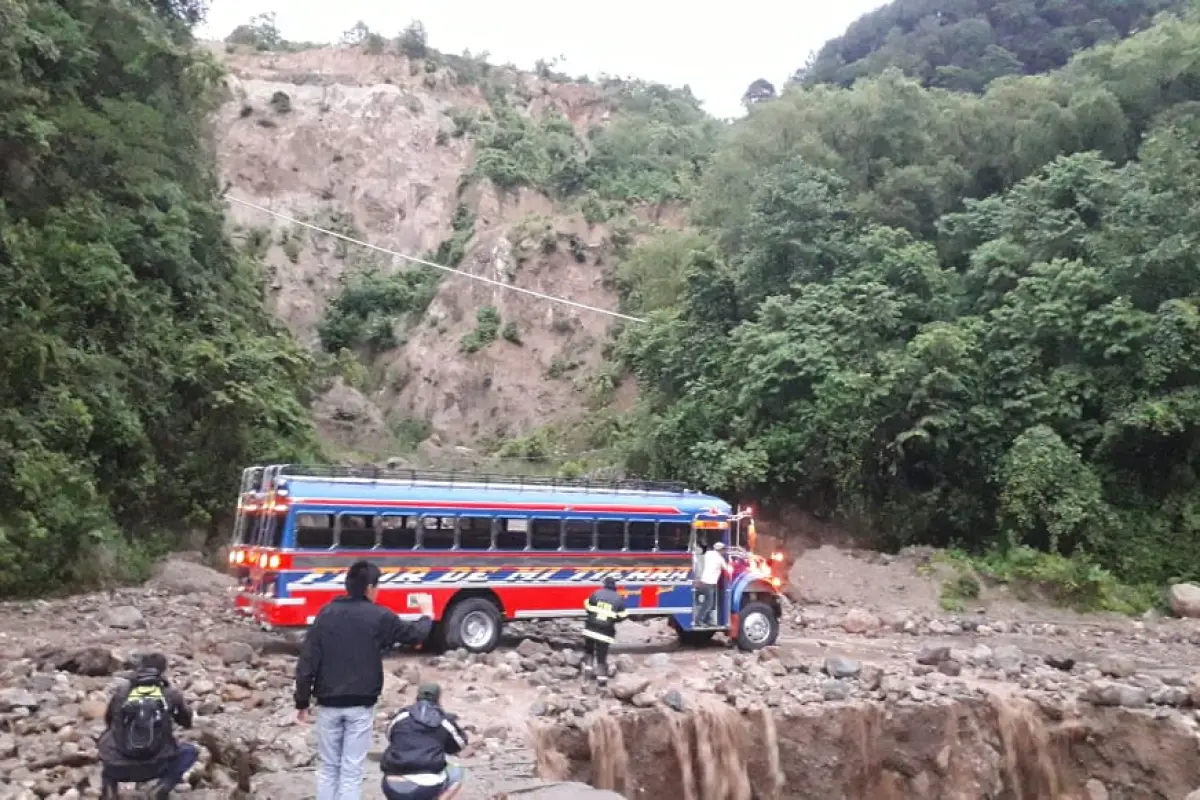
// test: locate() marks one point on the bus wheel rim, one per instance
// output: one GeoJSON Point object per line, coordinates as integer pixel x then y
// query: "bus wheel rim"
{"type": "Point", "coordinates": [756, 627]}
{"type": "Point", "coordinates": [477, 629]}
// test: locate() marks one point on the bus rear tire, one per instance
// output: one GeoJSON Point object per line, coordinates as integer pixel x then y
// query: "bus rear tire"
{"type": "Point", "coordinates": [758, 626]}
{"type": "Point", "coordinates": [473, 624]}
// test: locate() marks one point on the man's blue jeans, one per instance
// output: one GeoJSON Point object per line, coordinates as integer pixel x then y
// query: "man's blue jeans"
{"type": "Point", "coordinates": [169, 774]}
{"type": "Point", "coordinates": [343, 741]}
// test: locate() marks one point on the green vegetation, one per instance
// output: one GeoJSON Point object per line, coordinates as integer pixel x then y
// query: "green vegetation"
{"type": "Point", "coordinates": [372, 304]}
{"type": "Point", "coordinates": [261, 33]}
{"type": "Point", "coordinates": [967, 44]}
{"type": "Point", "coordinates": [359, 35]}
{"type": "Point", "coordinates": [451, 252]}
{"type": "Point", "coordinates": [1016, 371]}
{"type": "Point", "coordinates": [140, 371]}
{"type": "Point", "coordinates": [654, 150]}
{"type": "Point", "coordinates": [487, 325]}
{"type": "Point", "coordinates": [1077, 582]}
{"type": "Point", "coordinates": [407, 433]}
{"type": "Point", "coordinates": [413, 40]}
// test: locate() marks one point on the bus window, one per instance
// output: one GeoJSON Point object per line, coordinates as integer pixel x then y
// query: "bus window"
{"type": "Point", "coordinates": [356, 531]}
{"type": "Point", "coordinates": [512, 534]}
{"type": "Point", "coordinates": [314, 531]}
{"type": "Point", "coordinates": [610, 535]}
{"type": "Point", "coordinates": [578, 534]}
{"type": "Point", "coordinates": [398, 532]}
{"type": "Point", "coordinates": [545, 534]}
{"type": "Point", "coordinates": [475, 533]}
{"type": "Point", "coordinates": [437, 533]}
{"type": "Point", "coordinates": [641, 536]}
{"type": "Point", "coordinates": [673, 537]}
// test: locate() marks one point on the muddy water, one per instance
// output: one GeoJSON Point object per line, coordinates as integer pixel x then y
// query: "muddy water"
{"type": "Point", "coordinates": [986, 748]}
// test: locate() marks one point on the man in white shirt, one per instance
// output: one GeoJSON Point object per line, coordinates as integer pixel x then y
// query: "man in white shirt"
{"type": "Point", "coordinates": [712, 566]}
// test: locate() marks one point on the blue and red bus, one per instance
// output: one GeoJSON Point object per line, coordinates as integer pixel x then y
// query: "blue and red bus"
{"type": "Point", "coordinates": [483, 550]}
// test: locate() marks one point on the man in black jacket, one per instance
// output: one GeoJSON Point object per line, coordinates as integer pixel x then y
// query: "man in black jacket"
{"type": "Point", "coordinates": [605, 608]}
{"type": "Point", "coordinates": [138, 744]}
{"type": "Point", "coordinates": [341, 665]}
{"type": "Point", "coordinates": [419, 739]}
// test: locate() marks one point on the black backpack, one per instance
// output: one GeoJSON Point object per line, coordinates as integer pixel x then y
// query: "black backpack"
{"type": "Point", "coordinates": [143, 726]}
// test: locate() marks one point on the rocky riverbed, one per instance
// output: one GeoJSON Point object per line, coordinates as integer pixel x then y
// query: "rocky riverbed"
{"type": "Point", "coordinates": [850, 697]}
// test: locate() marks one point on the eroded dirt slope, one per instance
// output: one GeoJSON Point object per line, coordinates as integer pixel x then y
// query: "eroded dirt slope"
{"type": "Point", "coordinates": [365, 145]}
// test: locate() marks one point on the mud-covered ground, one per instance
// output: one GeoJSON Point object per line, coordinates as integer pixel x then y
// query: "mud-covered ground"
{"type": "Point", "coordinates": [868, 629]}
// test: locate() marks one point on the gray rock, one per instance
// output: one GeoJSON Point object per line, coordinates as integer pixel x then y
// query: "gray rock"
{"type": "Point", "coordinates": [124, 617]}
{"type": "Point", "coordinates": [17, 698]}
{"type": "Point", "coordinates": [625, 686]}
{"type": "Point", "coordinates": [932, 656]}
{"type": "Point", "coordinates": [835, 690]}
{"type": "Point", "coordinates": [235, 653]}
{"type": "Point", "coordinates": [1184, 599]}
{"type": "Point", "coordinates": [540, 790]}
{"type": "Point", "coordinates": [673, 698]}
{"type": "Point", "coordinates": [838, 667]}
{"type": "Point", "coordinates": [1117, 666]}
{"type": "Point", "coordinates": [1008, 657]}
{"type": "Point", "coordinates": [1110, 693]}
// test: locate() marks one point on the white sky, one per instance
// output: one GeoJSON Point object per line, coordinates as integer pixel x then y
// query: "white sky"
{"type": "Point", "coordinates": [718, 50]}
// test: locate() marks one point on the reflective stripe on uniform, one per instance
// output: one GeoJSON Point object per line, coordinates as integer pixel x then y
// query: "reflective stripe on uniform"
{"type": "Point", "coordinates": [599, 637]}
{"type": "Point", "coordinates": [603, 612]}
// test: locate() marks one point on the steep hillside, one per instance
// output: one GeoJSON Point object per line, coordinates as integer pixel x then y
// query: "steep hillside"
{"type": "Point", "coordinates": [955, 318]}
{"type": "Point", "coordinates": [462, 163]}
{"type": "Point", "coordinates": [965, 44]}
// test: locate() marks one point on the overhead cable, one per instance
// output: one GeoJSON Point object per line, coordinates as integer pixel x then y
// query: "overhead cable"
{"type": "Point", "coordinates": [424, 263]}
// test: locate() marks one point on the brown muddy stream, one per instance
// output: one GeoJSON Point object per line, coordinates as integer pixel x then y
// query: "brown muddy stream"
{"type": "Point", "coordinates": [992, 748]}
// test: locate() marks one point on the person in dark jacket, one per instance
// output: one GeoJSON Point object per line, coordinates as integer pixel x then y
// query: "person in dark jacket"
{"type": "Point", "coordinates": [605, 608]}
{"type": "Point", "coordinates": [138, 744]}
{"type": "Point", "coordinates": [341, 666]}
{"type": "Point", "coordinates": [419, 739]}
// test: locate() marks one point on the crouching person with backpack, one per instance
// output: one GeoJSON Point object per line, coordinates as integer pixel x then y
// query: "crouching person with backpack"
{"type": "Point", "coordinates": [420, 737]}
{"type": "Point", "coordinates": [138, 745]}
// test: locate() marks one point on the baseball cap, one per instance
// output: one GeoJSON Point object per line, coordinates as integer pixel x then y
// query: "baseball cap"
{"type": "Point", "coordinates": [429, 691]}
{"type": "Point", "coordinates": [719, 546]}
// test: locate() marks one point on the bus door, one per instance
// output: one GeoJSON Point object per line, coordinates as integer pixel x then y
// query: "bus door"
{"type": "Point", "coordinates": [705, 533]}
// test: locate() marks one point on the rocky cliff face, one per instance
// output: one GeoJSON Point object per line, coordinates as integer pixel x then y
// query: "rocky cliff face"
{"type": "Point", "coordinates": [369, 146]}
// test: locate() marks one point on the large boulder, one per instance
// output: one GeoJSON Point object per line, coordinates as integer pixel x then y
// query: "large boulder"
{"type": "Point", "coordinates": [558, 791]}
{"type": "Point", "coordinates": [183, 575]}
{"type": "Point", "coordinates": [1185, 599]}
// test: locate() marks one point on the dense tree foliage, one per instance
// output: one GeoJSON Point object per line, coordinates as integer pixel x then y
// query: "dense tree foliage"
{"type": "Point", "coordinates": [845, 331]}
{"type": "Point", "coordinates": [966, 44]}
{"type": "Point", "coordinates": [654, 148]}
{"type": "Point", "coordinates": [139, 370]}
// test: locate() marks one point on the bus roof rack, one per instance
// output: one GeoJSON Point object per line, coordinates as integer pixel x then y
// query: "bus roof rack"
{"type": "Point", "coordinates": [454, 477]}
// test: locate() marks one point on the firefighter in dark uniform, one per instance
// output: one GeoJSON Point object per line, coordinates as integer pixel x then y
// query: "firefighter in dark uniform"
{"type": "Point", "coordinates": [605, 608]}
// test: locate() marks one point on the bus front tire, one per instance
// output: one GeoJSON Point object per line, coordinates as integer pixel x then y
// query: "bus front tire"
{"type": "Point", "coordinates": [758, 626]}
{"type": "Point", "coordinates": [474, 624]}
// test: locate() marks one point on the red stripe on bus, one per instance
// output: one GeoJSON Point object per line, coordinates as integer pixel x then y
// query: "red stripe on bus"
{"type": "Point", "coordinates": [486, 506]}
